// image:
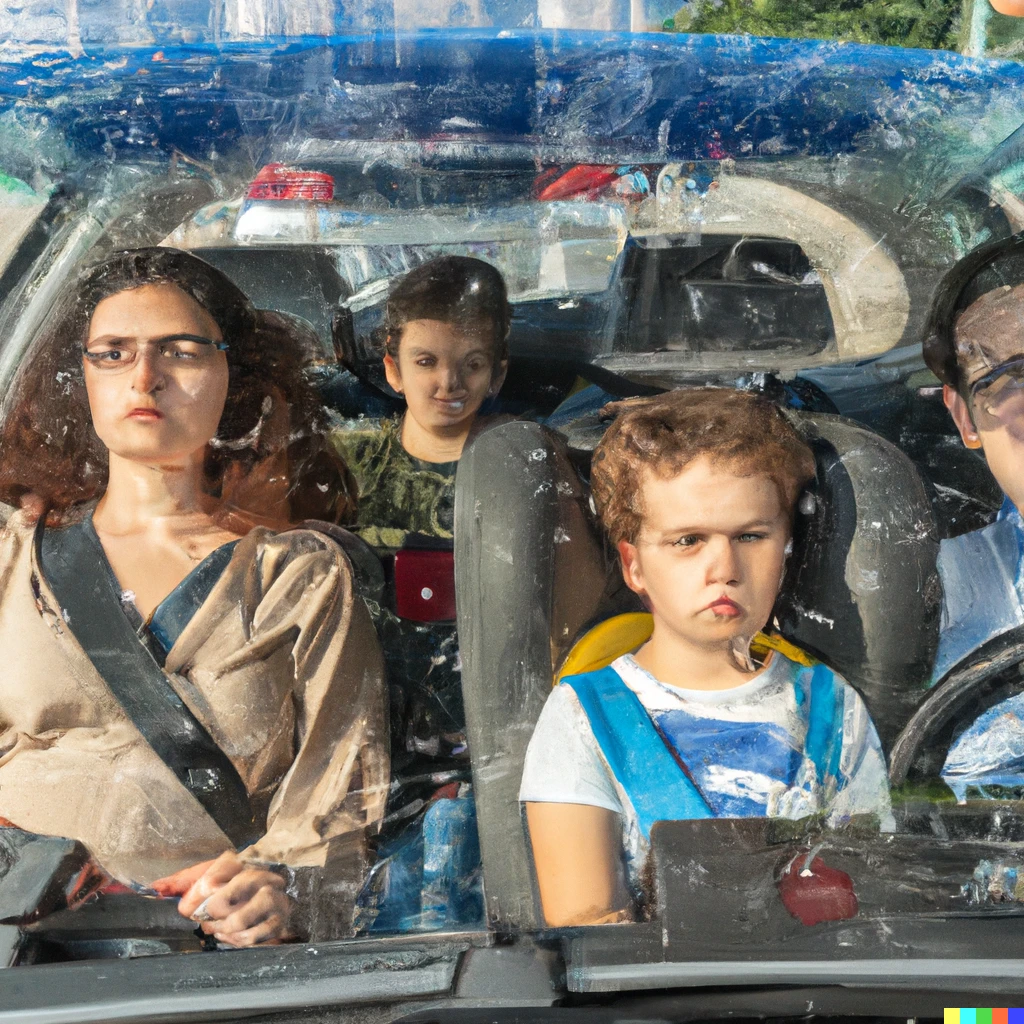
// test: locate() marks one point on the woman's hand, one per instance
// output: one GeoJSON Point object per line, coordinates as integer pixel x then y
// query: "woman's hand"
{"type": "Point", "coordinates": [237, 903]}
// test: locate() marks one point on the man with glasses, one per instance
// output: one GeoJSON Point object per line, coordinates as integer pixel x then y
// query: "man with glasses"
{"type": "Point", "coordinates": [975, 346]}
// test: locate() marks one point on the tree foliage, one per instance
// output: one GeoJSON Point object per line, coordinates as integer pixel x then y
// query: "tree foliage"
{"type": "Point", "coordinates": [928, 24]}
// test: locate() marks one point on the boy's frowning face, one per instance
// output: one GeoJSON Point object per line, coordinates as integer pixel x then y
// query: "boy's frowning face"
{"type": "Point", "coordinates": [710, 554]}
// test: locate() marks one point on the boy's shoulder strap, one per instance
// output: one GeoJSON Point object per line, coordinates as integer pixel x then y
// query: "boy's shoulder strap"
{"type": "Point", "coordinates": [824, 742]}
{"type": "Point", "coordinates": [635, 751]}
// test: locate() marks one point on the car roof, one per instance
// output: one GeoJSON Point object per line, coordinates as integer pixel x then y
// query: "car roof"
{"type": "Point", "coordinates": [895, 161]}
{"type": "Point", "coordinates": [899, 123]}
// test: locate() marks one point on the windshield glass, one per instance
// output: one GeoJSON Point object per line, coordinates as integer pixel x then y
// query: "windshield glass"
{"type": "Point", "coordinates": [560, 487]}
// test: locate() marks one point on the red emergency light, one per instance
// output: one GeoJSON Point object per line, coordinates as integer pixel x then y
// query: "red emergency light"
{"type": "Point", "coordinates": [583, 180]}
{"type": "Point", "coordinates": [276, 181]}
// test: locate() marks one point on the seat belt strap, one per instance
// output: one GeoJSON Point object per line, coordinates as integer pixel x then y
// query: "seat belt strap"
{"type": "Point", "coordinates": [824, 742]}
{"type": "Point", "coordinates": [636, 752]}
{"type": "Point", "coordinates": [74, 565]}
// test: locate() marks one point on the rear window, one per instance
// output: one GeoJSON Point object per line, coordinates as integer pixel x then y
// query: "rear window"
{"type": "Point", "coordinates": [384, 184]}
{"type": "Point", "coordinates": [723, 295]}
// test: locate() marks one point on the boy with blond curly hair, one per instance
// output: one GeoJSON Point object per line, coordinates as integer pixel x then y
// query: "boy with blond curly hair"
{"type": "Point", "coordinates": [698, 490]}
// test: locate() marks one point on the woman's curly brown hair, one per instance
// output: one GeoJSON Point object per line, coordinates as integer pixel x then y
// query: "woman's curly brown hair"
{"type": "Point", "coordinates": [48, 448]}
{"type": "Point", "coordinates": [664, 434]}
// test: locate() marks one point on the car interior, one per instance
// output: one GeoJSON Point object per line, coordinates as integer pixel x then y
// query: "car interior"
{"type": "Point", "coordinates": [802, 200]}
{"type": "Point", "coordinates": [874, 502]}
{"type": "Point", "coordinates": [863, 590]}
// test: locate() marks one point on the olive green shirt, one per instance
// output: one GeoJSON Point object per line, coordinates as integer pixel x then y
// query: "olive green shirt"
{"type": "Point", "coordinates": [399, 495]}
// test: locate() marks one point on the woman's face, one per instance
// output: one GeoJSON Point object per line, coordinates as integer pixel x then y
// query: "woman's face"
{"type": "Point", "coordinates": [156, 380]}
{"type": "Point", "coordinates": [444, 372]}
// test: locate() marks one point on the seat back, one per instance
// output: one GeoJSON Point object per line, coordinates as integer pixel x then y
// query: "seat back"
{"type": "Point", "coordinates": [532, 572]}
{"type": "Point", "coordinates": [863, 592]}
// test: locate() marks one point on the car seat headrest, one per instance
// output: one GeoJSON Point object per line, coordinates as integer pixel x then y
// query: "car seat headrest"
{"type": "Point", "coordinates": [530, 573]}
{"type": "Point", "coordinates": [862, 590]}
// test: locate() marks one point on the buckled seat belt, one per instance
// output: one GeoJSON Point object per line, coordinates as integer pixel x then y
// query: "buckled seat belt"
{"type": "Point", "coordinates": [73, 564]}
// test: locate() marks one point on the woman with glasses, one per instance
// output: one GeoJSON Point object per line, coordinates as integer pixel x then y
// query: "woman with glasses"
{"type": "Point", "coordinates": [199, 703]}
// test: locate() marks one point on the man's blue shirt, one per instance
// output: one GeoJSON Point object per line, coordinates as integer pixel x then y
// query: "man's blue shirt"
{"type": "Point", "coordinates": [983, 587]}
{"type": "Point", "coordinates": [983, 597]}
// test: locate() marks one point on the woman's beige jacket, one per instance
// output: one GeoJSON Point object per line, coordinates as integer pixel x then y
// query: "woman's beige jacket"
{"type": "Point", "coordinates": [280, 664]}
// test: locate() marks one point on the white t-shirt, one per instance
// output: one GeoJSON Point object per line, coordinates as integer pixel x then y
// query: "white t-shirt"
{"type": "Point", "coordinates": [744, 747]}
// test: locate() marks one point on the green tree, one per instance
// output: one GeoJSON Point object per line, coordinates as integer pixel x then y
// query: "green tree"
{"type": "Point", "coordinates": [927, 24]}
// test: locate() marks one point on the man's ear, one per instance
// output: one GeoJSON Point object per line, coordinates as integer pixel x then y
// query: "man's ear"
{"type": "Point", "coordinates": [392, 374]}
{"type": "Point", "coordinates": [631, 571]}
{"type": "Point", "coordinates": [498, 378]}
{"type": "Point", "coordinates": [961, 414]}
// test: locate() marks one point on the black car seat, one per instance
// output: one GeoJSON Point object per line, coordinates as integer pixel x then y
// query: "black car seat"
{"type": "Point", "coordinates": [532, 573]}
{"type": "Point", "coordinates": [863, 592]}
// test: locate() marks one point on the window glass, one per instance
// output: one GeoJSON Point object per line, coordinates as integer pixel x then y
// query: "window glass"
{"type": "Point", "coordinates": [21, 205]}
{"type": "Point", "coordinates": [593, 502]}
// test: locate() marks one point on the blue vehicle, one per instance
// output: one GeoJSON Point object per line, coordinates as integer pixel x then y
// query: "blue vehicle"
{"type": "Point", "coordinates": [669, 211]}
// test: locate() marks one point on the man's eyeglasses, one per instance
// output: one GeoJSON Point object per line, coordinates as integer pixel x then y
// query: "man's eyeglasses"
{"type": "Point", "coordinates": [999, 389]}
{"type": "Point", "coordinates": [115, 355]}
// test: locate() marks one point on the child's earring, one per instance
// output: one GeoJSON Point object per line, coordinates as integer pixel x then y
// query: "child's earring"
{"type": "Point", "coordinates": [788, 550]}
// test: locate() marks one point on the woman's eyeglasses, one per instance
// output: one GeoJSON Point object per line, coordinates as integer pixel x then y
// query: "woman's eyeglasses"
{"type": "Point", "coordinates": [114, 355]}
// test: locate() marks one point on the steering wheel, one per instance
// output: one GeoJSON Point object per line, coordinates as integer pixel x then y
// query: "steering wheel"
{"type": "Point", "coordinates": [986, 677]}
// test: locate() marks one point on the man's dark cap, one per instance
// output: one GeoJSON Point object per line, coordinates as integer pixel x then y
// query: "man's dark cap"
{"type": "Point", "coordinates": [983, 270]}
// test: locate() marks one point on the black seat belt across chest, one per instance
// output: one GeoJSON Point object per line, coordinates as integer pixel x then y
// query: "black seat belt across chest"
{"type": "Point", "coordinates": [75, 567]}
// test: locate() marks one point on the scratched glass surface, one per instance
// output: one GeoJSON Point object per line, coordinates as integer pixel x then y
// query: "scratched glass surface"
{"type": "Point", "coordinates": [352, 616]}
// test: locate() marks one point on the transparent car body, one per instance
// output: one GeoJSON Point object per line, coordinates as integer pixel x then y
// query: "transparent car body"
{"type": "Point", "coordinates": [840, 196]}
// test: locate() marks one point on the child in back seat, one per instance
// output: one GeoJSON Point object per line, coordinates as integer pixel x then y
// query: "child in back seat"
{"type": "Point", "coordinates": [698, 490]}
{"type": "Point", "coordinates": [446, 353]}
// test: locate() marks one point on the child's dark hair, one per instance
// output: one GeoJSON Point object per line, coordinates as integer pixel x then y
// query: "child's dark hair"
{"type": "Point", "coordinates": [664, 434]}
{"type": "Point", "coordinates": [454, 290]}
{"type": "Point", "coordinates": [983, 270]}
